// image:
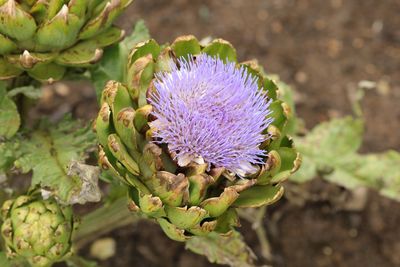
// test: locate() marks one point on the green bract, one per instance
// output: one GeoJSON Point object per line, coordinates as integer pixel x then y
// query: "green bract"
{"type": "Point", "coordinates": [37, 230]}
{"type": "Point", "coordinates": [190, 200]}
{"type": "Point", "coordinates": [44, 37]}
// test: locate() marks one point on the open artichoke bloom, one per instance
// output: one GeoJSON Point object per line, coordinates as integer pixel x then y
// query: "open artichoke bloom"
{"type": "Point", "coordinates": [195, 135]}
{"type": "Point", "coordinates": [211, 112]}
{"type": "Point", "coordinates": [44, 37]}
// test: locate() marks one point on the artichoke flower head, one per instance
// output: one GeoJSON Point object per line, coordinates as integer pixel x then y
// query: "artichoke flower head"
{"type": "Point", "coordinates": [45, 37]}
{"type": "Point", "coordinates": [195, 135]}
{"type": "Point", "coordinates": [210, 112]}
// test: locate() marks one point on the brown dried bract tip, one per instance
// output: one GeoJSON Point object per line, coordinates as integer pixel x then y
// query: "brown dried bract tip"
{"type": "Point", "coordinates": [151, 90]}
{"type": "Point", "coordinates": [155, 151]}
{"type": "Point", "coordinates": [252, 64]}
{"type": "Point", "coordinates": [126, 115]}
{"type": "Point", "coordinates": [138, 66]}
{"type": "Point", "coordinates": [103, 160]}
{"type": "Point", "coordinates": [297, 163]}
{"type": "Point", "coordinates": [287, 110]}
{"type": "Point", "coordinates": [98, 53]}
{"type": "Point", "coordinates": [26, 60]}
{"type": "Point", "coordinates": [113, 144]}
{"type": "Point", "coordinates": [216, 173]}
{"type": "Point", "coordinates": [110, 90]}
{"type": "Point", "coordinates": [133, 207]}
{"type": "Point", "coordinates": [270, 163]}
{"type": "Point", "coordinates": [177, 183]}
{"type": "Point", "coordinates": [185, 38]}
{"type": "Point", "coordinates": [241, 186]}
{"type": "Point", "coordinates": [273, 132]}
{"type": "Point", "coordinates": [105, 112]}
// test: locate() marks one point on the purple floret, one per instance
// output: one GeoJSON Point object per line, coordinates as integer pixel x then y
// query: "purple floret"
{"type": "Point", "coordinates": [210, 111]}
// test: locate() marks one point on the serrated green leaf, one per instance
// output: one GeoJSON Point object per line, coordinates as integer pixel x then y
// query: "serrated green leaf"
{"type": "Point", "coordinates": [9, 116]}
{"type": "Point", "coordinates": [230, 250]}
{"type": "Point", "coordinates": [327, 145]}
{"type": "Point", "coordinates": [113, 62]}
{"type": "Point", "coordinates": [140, 33]}
{"type": "Point", "coordinates": [49, 152]}
{"type": "Point", "coordinates": [378, 171]}
{"type": "Point", "coordinates": [330, 150]}
{"type": "Point", "coordinates": [330, 142]}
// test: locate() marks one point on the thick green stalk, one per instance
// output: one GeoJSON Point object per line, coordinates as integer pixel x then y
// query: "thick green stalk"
{"type": "Point", "coordinates": [102, 221]}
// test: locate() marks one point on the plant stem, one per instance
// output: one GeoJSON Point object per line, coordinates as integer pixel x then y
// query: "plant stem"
{"type": "Point", "coordinates": [24, 104]}
{"type": "Point", "coordinates": [102, 221]}
{"type": "Point", "coordinates": [257, 225]}
{"type": "Point", "coordinates": [262, 235]}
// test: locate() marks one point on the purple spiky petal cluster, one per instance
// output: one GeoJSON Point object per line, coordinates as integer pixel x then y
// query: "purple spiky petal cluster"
{"type": "Point", "coordinates": [210, 111]}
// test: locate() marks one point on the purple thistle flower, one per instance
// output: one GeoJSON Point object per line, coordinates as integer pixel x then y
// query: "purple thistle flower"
{"type": "Point", "coordinates": [211, 112]}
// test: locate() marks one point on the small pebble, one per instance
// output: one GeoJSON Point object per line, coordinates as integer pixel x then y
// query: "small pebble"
{"type": "Point", "coordinates": [103, 248]}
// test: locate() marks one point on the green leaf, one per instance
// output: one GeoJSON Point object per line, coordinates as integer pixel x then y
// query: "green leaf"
{"type": "Point", "coordinates": [4, 262]}
{"type": "Point", "coordinates": [140, 33]}
{"type": "Point", "coordinates": [50, 151]}
{"type": "Point", "coordinates": [113, 62]}
{"type": "Point", "coordinates": [330, 150]}
{"type": "Point", "coordinates": [9, 116]}
{"type": "Point", "coordinates": [330, 142]}
{"type": "Point", "coordinates": [230, 250]}
{"type": "Point", "coordinates": [29, 91]}
{"type": "Point", "coordinates": [378, 171]}
{"type": "Point", "coordinates": [8, 151]}
{"type": "Point", "coordinates": [327, 145]}
{"type": "Point", "coordinates": [8, 70]}
{"type": "Point", "coordinates": [109, 68]}
{"type": "Point", "coordinates": [47, 72]}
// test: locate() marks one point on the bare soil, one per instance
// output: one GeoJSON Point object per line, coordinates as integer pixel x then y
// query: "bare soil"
{"type": "Point", "coordinates": [323, 49]}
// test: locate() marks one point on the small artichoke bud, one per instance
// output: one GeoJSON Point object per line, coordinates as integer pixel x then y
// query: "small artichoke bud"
{"type": "Point", "coordinates": [15, 22]}
{"type": "Point", "coordinates": [109, 13]}
{"type": "Point", "coordinates": [37, 230]}
{"type": "Point", "coordinates": [61, 34]}
{"type": "Point", "coordinates": [195, 135]}
{"type": "Point", "coordinates": [61, 31]}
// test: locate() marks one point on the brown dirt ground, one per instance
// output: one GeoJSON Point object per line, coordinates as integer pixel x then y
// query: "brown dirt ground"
{"type": "Point", "coordinates": [322, 48]}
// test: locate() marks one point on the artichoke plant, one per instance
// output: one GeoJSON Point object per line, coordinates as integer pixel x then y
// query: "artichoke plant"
{"type": "Point", "coordinates": [195, 135]}
{"type": "Point", "coordinates": [45, 37]}
{"type": "Point", "coordinates": [37, 230]}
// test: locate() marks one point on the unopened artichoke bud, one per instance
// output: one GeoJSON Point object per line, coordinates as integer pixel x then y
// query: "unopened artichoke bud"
{"type": "Point", "coordinates": [37, 230]}
{"type": "Point", "coordinates": [195, 135]}
{"type": "Point", "coordinates": [45, 37]}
